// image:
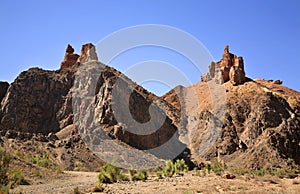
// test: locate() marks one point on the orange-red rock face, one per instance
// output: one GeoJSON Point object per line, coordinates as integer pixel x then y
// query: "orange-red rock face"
{"type": "Point", "coordinates": [88, 53]}
{"type": "Point", "coordinates": [70, 58]}
{"type": "Point", "coordinates": [229, 68]}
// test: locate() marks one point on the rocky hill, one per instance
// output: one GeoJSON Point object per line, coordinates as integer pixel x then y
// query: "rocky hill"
{"type": "Point", "coordinates": [255, 124]}
{"type": "Point", "coordinates": [261, 126]}
{"type": "Point", "coordinates": [39, 104]}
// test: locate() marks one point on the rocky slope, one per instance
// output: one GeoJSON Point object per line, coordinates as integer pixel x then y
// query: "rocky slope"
{"type": "Point", "coordinates": [261, 124]}
{"type": "Point", "coordinates": [86, 107]}
{"type": "Point", "coordinates": [40, 102]}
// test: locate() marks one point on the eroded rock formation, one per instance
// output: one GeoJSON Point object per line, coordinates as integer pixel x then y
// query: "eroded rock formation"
{"type": "Point", "coordinates": [40, 101]}
{"type": "Point", "coordinates": [229, 68]}
{"type": "Point", "coordinates": [88, 53]}
{"type": "Point", "coordinates": [261, 124]}
{"type": "Point", "coordinates": [70, 58]}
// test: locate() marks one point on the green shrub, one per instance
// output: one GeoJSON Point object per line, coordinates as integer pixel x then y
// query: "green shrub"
{"type": "Point", "coordinates": [111, 174]}
{"type": "Point", "coordinates": [180, 167]}
{"type": "Point", "coordinates": [5, 159]}
{"type": "Point", "coordinates": [42, 161]}
{"type": "Point", "coordinates": [168, 170]}
{"type": "Point", "coordinates": [239, 171]}
{"type": "Point", "coordinates": [59, 170]}
{"type": "Point", "coordinates": [201, 173]}
{"type": "Point", "coordinates": [159, 174]}
{"type": "Point", "coordinates": [16, 178]}
{"type": "Point", "coordinates": [217, 167]}
{"type": "Point", "coordinates": [258, 172]}
{"type": "Point", "coordinates": [208, 167]}
{"type": "Point", "coordinates": [132, 172]}
{"type": "Point", "coordinates": [78, 166]}
{"type": "Point", "coordinates": [280, 172]}
{"type": "Point", "coordinates": [4, 189]}
{"type": "Point", "coordinates": [19, 154]}
{"type": "Point", "coordinates": [139, 175]}
{"type": "Point", "coordinates": [37, 174]}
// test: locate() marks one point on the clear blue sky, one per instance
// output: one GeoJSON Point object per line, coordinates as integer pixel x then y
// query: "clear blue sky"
{"type": "Point", "coordinates": [266, 32]}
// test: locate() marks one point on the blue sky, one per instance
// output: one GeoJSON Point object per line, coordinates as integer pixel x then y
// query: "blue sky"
{"type": "Point", "coordinates": [266, 33]}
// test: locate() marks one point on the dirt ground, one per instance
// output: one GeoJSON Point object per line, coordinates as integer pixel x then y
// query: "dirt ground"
{"type": "Point", "coordinates": [187, 184]}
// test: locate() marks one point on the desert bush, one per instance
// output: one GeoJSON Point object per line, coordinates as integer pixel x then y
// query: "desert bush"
{"type": "Point", "coordinates": [4, 189]}
{"type": "Point", "coordinates": [208, 167]}
{"type": "Point", "coordinates": [15, 178]}
{"type": "Point", "coordinates": [59, 170]}
{"type": "Point", "coordinates": [42, 161]}
{"type": "Point", "coordinates": [5, 159]}
{"type": "Point", "coordinates": [37, 174]}
{"type": "Point", "coordinates": [201, 173]}
{"type": "Point", "coordinates": [78, 166]}
{"type": "Point", "coordinates": [258, 172]}
{"type": "Point", "coordinates": [239, 171]}
{"type": "Point", "coordinates": [282, 172]}
{"type": "Point", "coordinates": [140, 175]}
{"type": "Point", "coordinates": [180, 167]}
{"type": "Point", "coordinates": [217, 167]}
{"type": "Point", "coordinates": [168, 170]}
{"type": "Point", "coordinates": [110, 174]}
{"type": "Point", "coordinates": [159, 174]}
{"type": "Point", "coordinates": [19, 154]}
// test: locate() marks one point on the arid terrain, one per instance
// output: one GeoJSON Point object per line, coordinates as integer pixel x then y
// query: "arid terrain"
{"type": "Point", "coordinates": [234, 133]}
{"type": "Point", "coordinates": [189, 183]}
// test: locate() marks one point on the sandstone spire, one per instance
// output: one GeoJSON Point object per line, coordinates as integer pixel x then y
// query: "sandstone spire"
{"type": "Point", "coordinates": [88, 53]}
{"type": "Point", "coordinates": [229, 68]}
{"type": "Point", "coordinates": [70, 59]}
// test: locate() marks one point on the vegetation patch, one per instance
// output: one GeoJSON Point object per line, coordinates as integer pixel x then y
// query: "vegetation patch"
{"type": "Point", "coordinates": [111, 174]}
{"type": "Point", "coordinates": [9, 178]}
{"type": "Point", "coordinates": [140, 175]}
{"type": "Point", "coordinates": [39, 160]}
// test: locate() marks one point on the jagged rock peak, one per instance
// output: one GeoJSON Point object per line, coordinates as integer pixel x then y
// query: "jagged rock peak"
{"type": "Point", "coordinates": [88, 53]}
{"type": "Point", "coordinates": [71, 59]}
{"type": "Point", "coordinates": [229, 68]}
{"type": "Point", "coordinates": [69, 49]}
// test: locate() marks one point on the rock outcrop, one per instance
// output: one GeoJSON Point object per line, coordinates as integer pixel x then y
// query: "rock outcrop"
{"type": "Point", "coordinates": [260, 128]}
{"type": "Point", "coordinates": [3, 89]}
{"type": "Point", "coordinates": [70, 58]}
{"type": "Point", "coordinates": [40, 101]}
{"type": "Point", "coordinates": [88, 53]}
{"type": "Point", "coordinates": [229, 68]}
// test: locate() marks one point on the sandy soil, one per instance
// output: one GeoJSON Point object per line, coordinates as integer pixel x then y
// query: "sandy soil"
{"type": "Point", "coordinates": [189, 183]}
